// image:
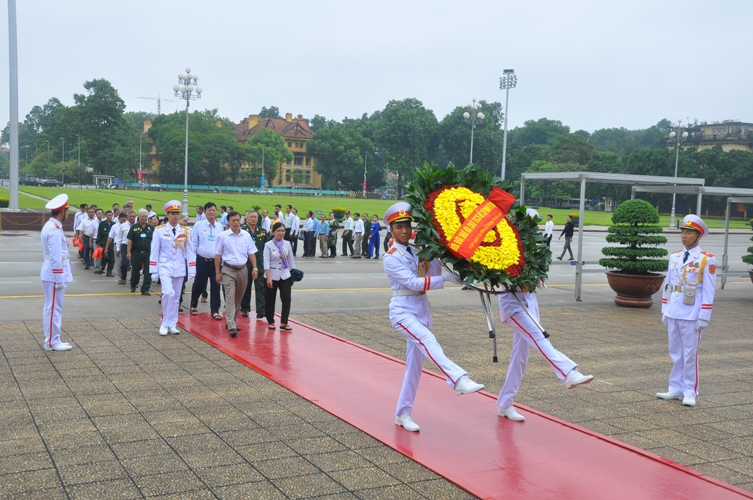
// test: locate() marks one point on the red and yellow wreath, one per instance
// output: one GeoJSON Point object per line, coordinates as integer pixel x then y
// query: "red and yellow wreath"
{"type": "Point", "coordinates": [464, 218]}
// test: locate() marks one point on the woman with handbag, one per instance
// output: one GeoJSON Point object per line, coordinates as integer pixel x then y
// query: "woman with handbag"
{"type": "Point", "coordinates": [278, 262]}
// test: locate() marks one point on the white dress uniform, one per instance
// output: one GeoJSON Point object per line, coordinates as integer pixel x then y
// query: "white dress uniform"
{"type": "Point", "coordinates": [526, 335]}
{"type": "Point", "coordinates": [410, 314]}
{"type": "Point", "coordinates": [55, 275]}
{"type": "Point", "coordinates": [687, 303]}
{"type": "Point", "coordinates": [171, 257]}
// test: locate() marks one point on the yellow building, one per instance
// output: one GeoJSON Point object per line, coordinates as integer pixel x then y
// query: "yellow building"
{"type": "Point", "coordinates": [296, 133]}
{"type": "Point", "coordinates": [728, 135]}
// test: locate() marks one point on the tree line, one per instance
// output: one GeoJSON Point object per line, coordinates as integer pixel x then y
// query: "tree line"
{"type": "Point", "coordinates": [395, 139]}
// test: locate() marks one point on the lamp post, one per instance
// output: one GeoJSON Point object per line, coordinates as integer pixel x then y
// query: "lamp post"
{"type": "Point", "coordinates": [26, 165]}
{"type": "Point", "coordinates": [62, 142]}
{"type": "Point", "coordinates": [507, 81]}
{"type": "Point", "coordinates": [471, 116]}
{"type": "Point", "coordinates": [185, 89]}
{"type": "Point", "coordinates": [376, 151]}
{"type": "Point", "coordinates": [678, 133]}
{"type": "Point", "coordinates": [78, 165]}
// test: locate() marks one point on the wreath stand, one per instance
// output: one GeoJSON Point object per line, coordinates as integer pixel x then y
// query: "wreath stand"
{"type": "Point", "coordinates": [485, 295]}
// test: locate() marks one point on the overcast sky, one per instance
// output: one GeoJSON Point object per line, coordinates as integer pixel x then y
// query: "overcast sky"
{"type": "Point", "coordinates": [589, 63]}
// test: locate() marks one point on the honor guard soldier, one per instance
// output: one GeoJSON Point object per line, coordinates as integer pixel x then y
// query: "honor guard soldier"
{"type": "Point", "coordinates": [139, 247]}
{"type": "Point", "coordinates": [56, 272]}
{"type": "Point", "coordinates": [686, 304]}
{"type": "Point", "coordinates": [410, 313]}
{"type": "Point", "coordinates": [172, 258]}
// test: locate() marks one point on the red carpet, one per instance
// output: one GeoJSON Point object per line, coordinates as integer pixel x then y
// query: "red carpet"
{"type": "Point", "coordinates": [461, 437]}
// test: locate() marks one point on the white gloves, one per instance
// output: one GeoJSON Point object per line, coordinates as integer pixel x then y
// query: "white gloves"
{"type": "Point", "coordinates": [59, 286]}
{"type": "Point", "coordinates": [664, 319]}
{"type": "Point", "coordinates": [452, 278]}
{"type": "Point", "coordinates": [191, 275]}
{"type": "Point", "coordinates": [701, 324]}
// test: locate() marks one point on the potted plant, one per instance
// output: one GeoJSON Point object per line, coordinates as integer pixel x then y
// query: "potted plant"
{"type": "Point", "coordinates": [748, 259]}
{"type": "Point", "coordinates": [639, 264]}
{"type": "Point", "coordinates": [339, 213]}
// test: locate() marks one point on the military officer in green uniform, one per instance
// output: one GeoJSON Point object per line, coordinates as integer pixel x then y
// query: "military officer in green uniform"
{"type": "Point", "coordinates": [260, 237]}
{"type": "Point", "coordinates": [139, 250]}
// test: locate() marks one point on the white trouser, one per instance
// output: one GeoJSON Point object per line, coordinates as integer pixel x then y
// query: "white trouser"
{"type": "Point", "coordinates": [683, 349]}
{"type": "Point", "coordinates": [421, 342]}
{"type": "Point", "coordinates": [526, 335]}
{"type": "Point", "coordinates": [52, 313]}
{"type": "Point", "coordinates": [171, 288]}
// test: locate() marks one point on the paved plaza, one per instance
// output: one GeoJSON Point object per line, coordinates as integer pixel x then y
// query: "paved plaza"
{"type": "Point", "coordinates": [130, 414]}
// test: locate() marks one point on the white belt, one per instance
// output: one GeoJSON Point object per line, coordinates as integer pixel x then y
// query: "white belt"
{"type": "Point", "coordinates": [65, 257]}
{"type": "Point", "coordinates": [404, 291]}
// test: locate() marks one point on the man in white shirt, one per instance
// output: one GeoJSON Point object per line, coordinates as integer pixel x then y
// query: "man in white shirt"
{"type": "Point", "coordinates": [82, 230]}
{"type": "Point", "coordinates": [358, 232]}
{"type": "Point", "coordinates": [200, 213]}
{"type": "Point", "coordinates": [549, 229]}
{"type": "Point", "coordinates": [295, 229]}
{"type": "Point", "coordinates": [308, 231]}
{"type": "Point", "coordinates": [288, 221]}
{"type": "Point", "coordinates": [150, 213]}
{"type": "Point", "coordinates": [113, 237]}
{"type": "Point", "coordinates": [204, 241]}
{"type": "Point", "coordinates": [234, 248]}
{"type": "Point", "coordinates": [348, 226]}
{"type": "Point", "coordinates": [92, 235]}
{"type": "Point", "coordinates": [266, 222]}
{"type": "Point", "coordinates": [121, 244]}
{"type": "Point", "coordinates": [76, 221]}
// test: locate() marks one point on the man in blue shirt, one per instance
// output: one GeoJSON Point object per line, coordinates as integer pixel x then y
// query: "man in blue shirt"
{"type": "Point", "coordinates": [323, 235]}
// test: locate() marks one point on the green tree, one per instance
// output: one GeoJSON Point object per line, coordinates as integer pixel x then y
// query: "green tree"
{"type": "Point", "coordinates": [339, 153]}
{"type": "Point", "coordinates": [269, 146]}
{"type": "Point", "coordinates": [100, 120]}
{"type": "Point", "coordinates": [269, 112]}
{"type": "Point", "coordinates": [455, 137]}
{"type": "Point", "coordinates": [405, 133]}
{"type": "Point", "coordinates": [571, 148]}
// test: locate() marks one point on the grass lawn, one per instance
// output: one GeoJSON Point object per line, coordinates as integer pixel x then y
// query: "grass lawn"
{"type": "Point", "coordinates": [242, 202]}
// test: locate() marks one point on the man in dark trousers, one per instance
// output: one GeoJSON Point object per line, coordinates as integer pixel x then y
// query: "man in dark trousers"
{"type": "Point", "coordinates": [568, 231]}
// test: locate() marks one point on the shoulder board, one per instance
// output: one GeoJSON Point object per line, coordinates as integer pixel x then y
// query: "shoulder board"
{"type": "Point", "coordinates": [391, 251]}
{"type": "Point", "coordinates": [707, 254]}
{"type": "Point", "coordinates": [677, 251]}
{"type": "Point", "coordinates": [187, 229]}
{"type": "Point", "coordinates": [161, 225]}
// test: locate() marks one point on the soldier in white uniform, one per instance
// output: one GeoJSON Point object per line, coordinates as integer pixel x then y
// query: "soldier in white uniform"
{"type": "Point", "coordinates": [171, 257]}
{"type": "Point", "coordinates": [410, 313]}
{"type": "Point", "coordinates": [56, 272]}
{"type": "Point", "coordinates": [686, 304]}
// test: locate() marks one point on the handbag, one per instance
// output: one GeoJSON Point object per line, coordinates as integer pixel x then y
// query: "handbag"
{"type": "Point", "coordinates": [296, 274]}
{"type": "Point", "coordinates": [97, 253]}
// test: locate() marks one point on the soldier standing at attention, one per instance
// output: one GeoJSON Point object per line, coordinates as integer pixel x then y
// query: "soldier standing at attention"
{"type": "Point", "coordinates": [56, 273]}
{"type": "Point", "coordinates": [139, 248]}
{"type": "Point", "coordinates": [410, 313]}
{"type": "Point", "coordinates": [686, 304]}
{"type": "Point", "coordinates": [172, 258]}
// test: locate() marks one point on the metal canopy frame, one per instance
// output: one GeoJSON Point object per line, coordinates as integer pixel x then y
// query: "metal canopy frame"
{"type": "Point", "coordinates": [730, 201]}
{"type": "Point", "coordinates": [665, 182]}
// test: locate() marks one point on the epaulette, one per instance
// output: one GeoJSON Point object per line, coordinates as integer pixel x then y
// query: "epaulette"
{"type": "Point", "coordinates": [391, 251]}
{"type": "Point", "coordinates": [677, 251]}
{"type": "Point", "coordinates": [161, 225]}
{"type": "Point", "coordinates": [707, 254]}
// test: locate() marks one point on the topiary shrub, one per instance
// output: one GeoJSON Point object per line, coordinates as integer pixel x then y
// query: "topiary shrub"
{"type": "Point", "coordinates": [4, 202]}
{"type": "Point", "coordinates": [748, 259]}
{"type": "Point", "coordinates": [636, 227]}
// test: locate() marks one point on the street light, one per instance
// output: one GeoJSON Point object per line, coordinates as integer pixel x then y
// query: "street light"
{"type": "Point", "coordinates": [62, 142]}
{"type": "Point", "coordinates": [507, 81]}
{"type": "Point", "coordinates": [78, 165]}
{"type": "Point", "coordinates": [376, 152]}
{"type": "Point", "coordinates": [679, 133]}
{"type": "Point", "coordinates": [471, 116]}
{"type": "Point", "coordinates": [185, 89]}
{"type": "Point", "coordinates": [26, 166]}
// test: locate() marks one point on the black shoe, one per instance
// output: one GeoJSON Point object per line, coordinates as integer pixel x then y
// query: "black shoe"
{"type": "Point", "coordinates": [147, 293]}
{"type": "Point", "coordinates": [260, 316]}
{"type": "Point", "coordinates": [133, 289]}
{"type": "Point", "coordinates": [86, 267]}
{"type": "Point", "coordinates": [110, 275]}
{"type": "Point", "coordinates": [559, 258]}
{"type": "Point", "coordinates": [244, 314]}
{"type": "Point", "coordinates": [233, 332]}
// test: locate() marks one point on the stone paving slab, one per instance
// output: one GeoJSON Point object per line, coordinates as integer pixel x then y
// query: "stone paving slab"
{"type": "Point", "coordinates": [130, 414]}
